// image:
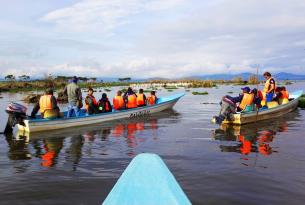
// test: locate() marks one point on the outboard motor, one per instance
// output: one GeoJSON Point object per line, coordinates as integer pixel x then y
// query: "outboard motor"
{"type": "Point", "coordinates": [16, 115]}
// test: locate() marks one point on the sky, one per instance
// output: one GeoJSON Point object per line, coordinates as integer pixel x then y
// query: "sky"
{"type": "Point", "coordinates": [151, 38]}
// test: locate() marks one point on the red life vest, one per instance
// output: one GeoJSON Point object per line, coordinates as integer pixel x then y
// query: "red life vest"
{"type": "Point", "coordinates": [118, 102]}
{"type": "Point", "coordinates": [151, 100]}
{"type": "Point", "coordinates": [132, 101]}
{"type": "Point", "coordinates": [107, 106]}
{"type": "Point", "coordinates": [140, 99]}
{"type": "Point", "coordinates": [285, 94]}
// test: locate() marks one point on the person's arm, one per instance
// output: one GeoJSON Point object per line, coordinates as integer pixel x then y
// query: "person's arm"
{"type": "Point", "coordinates": [79, 93]}
{"type": "Point", "coordinates": [35, 110]}
{"type": "Point", "coordinates": [54, 102]}
{"type": "Point", "coordinates": [144, 98]}
{"type": "Point", "coordinates": [272, 85]}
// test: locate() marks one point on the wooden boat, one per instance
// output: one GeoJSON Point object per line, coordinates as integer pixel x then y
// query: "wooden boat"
{"type": "Point", "coordinates": [253, 116]}
{"type": "Point", "coordinates": [39, 124]}
{"type": "Point", "coordinates": [146, 180]}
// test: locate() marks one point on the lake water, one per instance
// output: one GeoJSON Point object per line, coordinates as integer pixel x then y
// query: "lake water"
{"type": "Point", "coordinates": [260, 163]}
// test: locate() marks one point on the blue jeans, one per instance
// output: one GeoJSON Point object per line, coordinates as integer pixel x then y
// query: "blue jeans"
{"type": "Point", "coordinates": [73, 109]}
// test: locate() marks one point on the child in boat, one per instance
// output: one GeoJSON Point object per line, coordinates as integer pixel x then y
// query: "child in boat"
{"type": "Point", "coordinates": [152, 99]}
{"type": "Point", "coordinates": [91, 104]}
{"type": "Point", "coordinates": [104, 104]}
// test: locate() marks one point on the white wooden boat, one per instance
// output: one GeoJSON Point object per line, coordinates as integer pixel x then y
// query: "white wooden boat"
{"type": "Point", "coordinates": [249, 117]}
{"type": "Point", "coordinates": [39, 124]}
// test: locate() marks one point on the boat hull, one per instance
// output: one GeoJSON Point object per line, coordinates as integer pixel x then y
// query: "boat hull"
{"type": "Point", "coordinates": [44, 124]}
{"type": "Point", "coordinates": [245, 118]}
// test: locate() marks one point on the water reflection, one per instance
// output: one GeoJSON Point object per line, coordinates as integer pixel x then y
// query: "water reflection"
{"type": "Point", "coordinates": [254, 138]}
{"type": "Point", "coordinates": [97, 140]}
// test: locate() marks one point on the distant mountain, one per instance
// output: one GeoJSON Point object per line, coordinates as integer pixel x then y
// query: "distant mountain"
{"type": "Point", "coordinates": [245, 76]}
{"type": "Point", "coordinates": [289, 76]}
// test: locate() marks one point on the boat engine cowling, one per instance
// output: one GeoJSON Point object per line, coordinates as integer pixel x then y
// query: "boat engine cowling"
{"type": "Point", "coordinates": [16, 115]}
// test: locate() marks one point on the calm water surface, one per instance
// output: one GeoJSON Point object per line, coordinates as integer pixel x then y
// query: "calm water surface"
{"type": "Point", "coordinates": [261, 163]}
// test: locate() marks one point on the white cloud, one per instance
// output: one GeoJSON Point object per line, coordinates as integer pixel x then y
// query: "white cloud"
{"type": "Point", "coordinates": [166, 38]}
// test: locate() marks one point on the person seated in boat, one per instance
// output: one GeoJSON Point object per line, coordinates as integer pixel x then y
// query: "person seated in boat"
{"type": "Point", "coordinates": [281, 95]}
{"type": "Point", "coordinates": [229, 104]}
{"type": "Point", "coordinates": [258, 97]}
{"type": "Point", "coordinates": [47, 106]}
{"type": "Point", "coordinates": [118, 101]}
{"type": "Point", "coordinates": [130, 99]}
{"type": "Point", "coordinates": [104, 104]}
{"type": "Point", "coordinates": [91, 104]}
{"type": "Point", "coordinates": [152, 98]}
{"type": "Point", "coordinates": [141, 98]}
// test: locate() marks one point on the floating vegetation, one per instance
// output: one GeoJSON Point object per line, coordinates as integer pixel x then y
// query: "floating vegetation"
{"type": "Point", "coordinates": [171, 87]}
{"type": "Point", "coordinates": [200, 93]}
{"type": "Point", "coordinates": [124, 90]}
{"type": "Point", "coordinates": [107, 90]}
{"type": "Point", "coordinates": [169, 90]}
{"type": "Point", "coordinates": [209, 103]}
{"type": "Point", "coordinates": [302, 102]}
{"type": "Point", "coordinates": [147, 91]}
{"type": "Point", "coordinates": [288, 83]}
{"type": "Point", "coordinates": [187, 90]}
{"type": "Point", "coordinates": [230, 92]}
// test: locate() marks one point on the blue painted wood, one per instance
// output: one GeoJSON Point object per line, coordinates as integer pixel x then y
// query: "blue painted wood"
{"type": "Point", "coordinates": [147, 181]}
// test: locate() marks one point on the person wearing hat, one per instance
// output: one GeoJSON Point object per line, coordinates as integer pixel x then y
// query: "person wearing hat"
{"type": "Point", "coordinates": [91, 104]}
{"type": "Point", "coordinates": [229, 104]}
{"type": "Point", "coordinates": [47, 106]}
{"type": "Point", "coordinates": [246, 100]}
{"type": "Point", "coordinates": [74, 97]}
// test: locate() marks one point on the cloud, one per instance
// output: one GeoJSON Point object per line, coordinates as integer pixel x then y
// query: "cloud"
{"type": "Point", "coordinates": [150, 38]}
{"type": "Point", "coordinates": [103, 16]}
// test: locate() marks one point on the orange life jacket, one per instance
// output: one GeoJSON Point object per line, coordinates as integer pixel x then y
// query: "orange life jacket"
{"type": "Point", "coordinates": [140, 99]}
{"type": "Point", "coordinates": [247, 100]}
{"type": "Point", "coordinates": [93, 100]}
{"type": "Point", "coordinates": [132, 101]}
{"type": "Point", "coordinates": [285, 94]}
{"type": "Point", "coordinates": [151, 100]}
{"type": "Point", "coordinates": [45, 103]}
{"type": "Point", "coordinates": [118, 102]}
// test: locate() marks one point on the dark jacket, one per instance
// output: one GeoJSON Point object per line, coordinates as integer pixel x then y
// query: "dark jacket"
{"type": "Point", "coordinates": [103, 104]}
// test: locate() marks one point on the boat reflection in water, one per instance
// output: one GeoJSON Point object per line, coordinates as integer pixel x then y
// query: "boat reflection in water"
{"type": "Point", "coordinates": [254, 138]}
{"type": "Point", "coordinates": [67, 147]}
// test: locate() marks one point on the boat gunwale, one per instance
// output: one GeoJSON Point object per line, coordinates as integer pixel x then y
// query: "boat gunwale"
{"type": "Point", "coordinates": [174, 98]}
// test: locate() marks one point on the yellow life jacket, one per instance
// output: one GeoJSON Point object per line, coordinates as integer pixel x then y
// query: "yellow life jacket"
{"type": "Point", "coordinates": [247, 100]}
{"type": "Point", "coordinates": [272, 104]}
{"type": "Point", "coordinates": [267, 85]}
{"type": "Point", "coordinates": [45, 103]}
